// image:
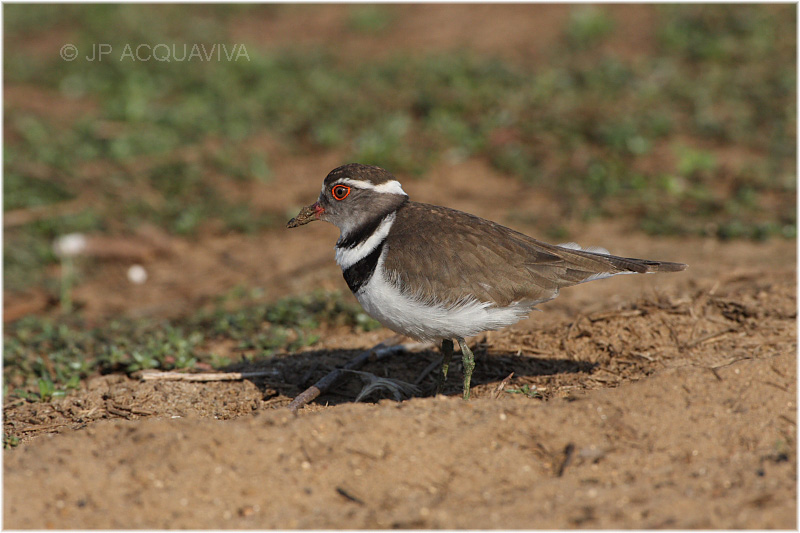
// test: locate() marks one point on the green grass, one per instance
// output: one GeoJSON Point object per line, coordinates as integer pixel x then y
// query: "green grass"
{"type": "Point", "coordinates": [45, 358]}
{"type": "Point", "coordinates": [645, 140]}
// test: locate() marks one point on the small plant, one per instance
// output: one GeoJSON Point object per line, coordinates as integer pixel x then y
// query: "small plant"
{"type": "Point", "coordinates": [47, 390]}
{"type": "Point", "coordinates": [10, 441]}
{"type": "Point", "coordinates": [527, 390]}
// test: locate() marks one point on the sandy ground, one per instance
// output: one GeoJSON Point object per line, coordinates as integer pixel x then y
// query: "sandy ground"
{"type": "Point", "coordinates": [661, 401]}
{"type": "Point", "coordinates": [687, 448]}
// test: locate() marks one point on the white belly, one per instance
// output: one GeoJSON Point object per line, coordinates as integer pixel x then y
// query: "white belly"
{"type": "Point", "coordinates": [421, 320]}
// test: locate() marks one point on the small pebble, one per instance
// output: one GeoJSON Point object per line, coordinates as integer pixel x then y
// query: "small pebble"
{"type": "Point", "coordinates": [137, 274]}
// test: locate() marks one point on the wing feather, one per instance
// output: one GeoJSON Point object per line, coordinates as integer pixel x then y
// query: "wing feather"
{"type": "Point", "coordinates": [450, 256]}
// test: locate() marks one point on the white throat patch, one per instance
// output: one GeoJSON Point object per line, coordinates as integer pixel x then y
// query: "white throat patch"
{"type": "Point", "coordinates": [347, 257]}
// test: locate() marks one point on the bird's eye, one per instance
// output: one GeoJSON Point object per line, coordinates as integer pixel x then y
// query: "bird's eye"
{"type": "Point", "coordinates": [340, 192]}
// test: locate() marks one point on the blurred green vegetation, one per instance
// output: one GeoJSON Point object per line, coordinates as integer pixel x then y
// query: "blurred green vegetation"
{"type": "Point", "coordinates": [647, 138]}
{"type": "Point", "coordinates": [697, 136]}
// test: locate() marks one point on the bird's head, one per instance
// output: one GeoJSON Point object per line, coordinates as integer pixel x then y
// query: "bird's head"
{"type": "Point", "coordinates": [352, 196]}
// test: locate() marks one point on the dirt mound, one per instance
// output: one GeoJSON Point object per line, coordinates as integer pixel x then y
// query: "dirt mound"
{"type": "Point", "coordinates": [629, 457]}
{"type": "Point", "coordinates": [707, 440]}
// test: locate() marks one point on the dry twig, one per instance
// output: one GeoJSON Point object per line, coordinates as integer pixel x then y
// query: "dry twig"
{"type": "Point", "coordinates": [501, 386]}
{"type": "Point", "coordinates": [43, 427]}
{"type": "Point", "coordinates": [708, 337]}
{"type": "Point", "coordinates": [203, 376]}
{"type": "Point", "coordinates": [608, 315]}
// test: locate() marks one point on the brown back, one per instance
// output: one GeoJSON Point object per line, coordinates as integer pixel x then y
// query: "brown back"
{"type": "Point", "coordinates": [446, 256]}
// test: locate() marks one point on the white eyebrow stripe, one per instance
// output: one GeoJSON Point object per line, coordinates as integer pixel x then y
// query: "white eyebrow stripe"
{"type": "Point", "coordinates": [389, 187]}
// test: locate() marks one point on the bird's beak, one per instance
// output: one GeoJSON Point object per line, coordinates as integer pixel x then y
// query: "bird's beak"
{"type": "Point", "coordinates": [308, 214]}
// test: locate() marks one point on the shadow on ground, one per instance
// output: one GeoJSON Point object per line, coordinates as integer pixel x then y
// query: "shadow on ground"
{"type": "Point", "coordinates": [288, 375]}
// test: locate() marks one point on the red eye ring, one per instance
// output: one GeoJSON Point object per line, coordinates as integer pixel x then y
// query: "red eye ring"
{"type": "Point", "coordinates": [340, 191]}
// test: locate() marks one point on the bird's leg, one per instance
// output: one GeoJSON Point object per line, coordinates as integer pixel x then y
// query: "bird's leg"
{"type": "Point", "coordinates": [469, 365]}
{"type": "Point", "coordinates": [447, 354]}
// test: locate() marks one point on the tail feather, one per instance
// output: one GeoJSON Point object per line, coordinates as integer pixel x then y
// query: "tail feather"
{"type": "Point", "coordinates": [625, 264]}
{"type": "Point", "coordinates": [645, 266]}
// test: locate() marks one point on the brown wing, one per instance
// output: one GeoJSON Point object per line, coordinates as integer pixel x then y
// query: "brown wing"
{"type": "Point", "coordinates": [455, 255]}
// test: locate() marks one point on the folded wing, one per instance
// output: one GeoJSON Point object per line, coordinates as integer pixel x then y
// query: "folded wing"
{"type": "Point", "coordinates": [455, 256]}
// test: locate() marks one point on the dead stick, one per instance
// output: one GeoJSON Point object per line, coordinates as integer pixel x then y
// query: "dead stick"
{"type": "Point", "coordinates": [204, 376]}
{"type": "Point", "coordinates": [42, 427]}
{"type": "Point", "coordinates": [606, 315]}
{"type": "Point", "coordinates": [708, 337]}
{"type": "Point", "coordinates": [377, 352]}
{"type": "Point", "coordinates": [502, 386]}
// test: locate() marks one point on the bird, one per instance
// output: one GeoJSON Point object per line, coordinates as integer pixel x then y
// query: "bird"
{"type": "Point", "coordinates": [437, 274]}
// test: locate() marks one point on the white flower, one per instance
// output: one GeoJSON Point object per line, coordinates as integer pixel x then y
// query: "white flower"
{"type": "Point", "coordinates": [70, 245]}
